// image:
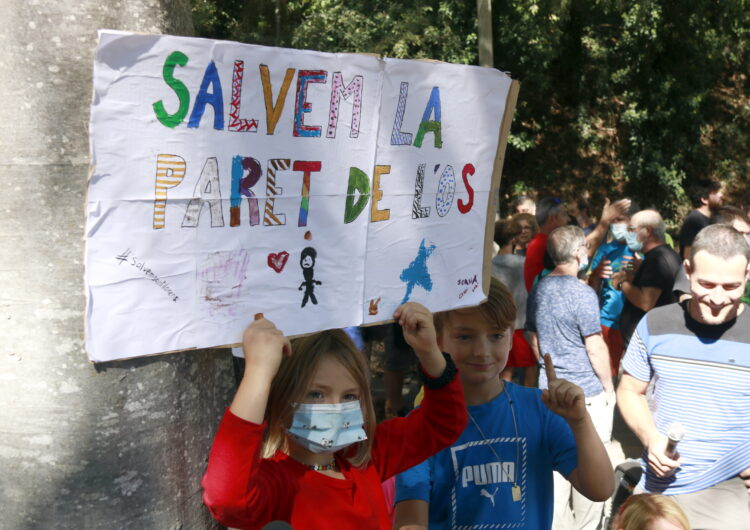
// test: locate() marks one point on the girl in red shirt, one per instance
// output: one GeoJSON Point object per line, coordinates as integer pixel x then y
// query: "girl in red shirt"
{"type": "Point", "coordinates": [299, 442]}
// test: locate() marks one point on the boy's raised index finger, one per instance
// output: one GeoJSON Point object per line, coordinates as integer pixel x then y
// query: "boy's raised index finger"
{"type": "Point", "coordinates": [549, 368]}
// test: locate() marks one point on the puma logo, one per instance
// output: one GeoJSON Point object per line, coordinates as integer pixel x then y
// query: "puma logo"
{"type": "Point", "coordinates": [491, 496]}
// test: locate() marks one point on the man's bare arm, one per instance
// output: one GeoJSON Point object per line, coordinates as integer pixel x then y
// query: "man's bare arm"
{"type": "Point", "coordinates": [631, 398]}
{"type": "Point", "coordinates": [598, 353]}
{"type": "Point", "coordinates": [533, 340]}
{"type": "Point", "coordinates": [644, 298]}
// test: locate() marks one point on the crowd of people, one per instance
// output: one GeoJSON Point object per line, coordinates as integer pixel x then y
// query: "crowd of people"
{"type": "Point", "coordinates": [515, 417]}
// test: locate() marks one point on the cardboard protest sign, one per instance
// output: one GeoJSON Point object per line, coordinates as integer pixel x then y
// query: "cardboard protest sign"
{"type": "Point", "coordinates": [320, 189]}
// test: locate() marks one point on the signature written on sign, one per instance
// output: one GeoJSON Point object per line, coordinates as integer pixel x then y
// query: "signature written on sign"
{"type": "Point", "coordinates": [467, 285]}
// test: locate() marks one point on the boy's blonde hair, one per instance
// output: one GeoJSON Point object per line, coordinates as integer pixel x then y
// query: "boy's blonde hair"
{"type": "Point", "coordinates": [642, 509]}
{"type": "Point", "coordinates": [294, 378]}
{"type": "Point", "coordinates": [499, 309]}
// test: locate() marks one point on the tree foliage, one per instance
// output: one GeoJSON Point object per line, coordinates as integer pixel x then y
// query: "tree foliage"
{"type": "Point", "coordinates": [638, 98]}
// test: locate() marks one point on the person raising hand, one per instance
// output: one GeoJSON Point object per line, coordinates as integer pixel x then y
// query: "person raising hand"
{"type": "Point", "coordinates": [299, 444]}
{"type": "Point", "coordinates": [592, 477]}
{"type": "Point", "coordinates": [498, 474]}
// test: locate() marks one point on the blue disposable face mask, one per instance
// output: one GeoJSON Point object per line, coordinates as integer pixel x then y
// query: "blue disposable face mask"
{"type": "Point", "coordinates": [619, 231]}
{"type": "Point", "coordinates": [631, 238]}
{"type": "Point", "coordinates": [327, 428]}
{"type": "Point", "coordinates": [584, 264]}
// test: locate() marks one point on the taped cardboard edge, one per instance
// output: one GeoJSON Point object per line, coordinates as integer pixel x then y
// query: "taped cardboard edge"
{"type": "Point", "coordinates": [497, 170]}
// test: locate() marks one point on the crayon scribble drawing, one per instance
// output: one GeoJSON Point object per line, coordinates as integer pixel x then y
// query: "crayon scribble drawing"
{"type": "Point", "coordinates": [307, 262]}
{"type": "Point", "coordinates": [417, 273]}
{"type": "Point", "coordinates": [220, 279]}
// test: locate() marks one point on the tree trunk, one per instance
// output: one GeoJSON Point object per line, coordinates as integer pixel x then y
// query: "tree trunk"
{"type": "Point", "coordinates": [117, 445]}
{"type": "Point", "coordinates": [484, 27]}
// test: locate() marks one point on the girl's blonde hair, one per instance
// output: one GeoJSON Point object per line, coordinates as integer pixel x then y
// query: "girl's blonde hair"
{"type": "Point", "coordinates": [642, 509]}
{"type": "Point", "coordinates": [294, 378]}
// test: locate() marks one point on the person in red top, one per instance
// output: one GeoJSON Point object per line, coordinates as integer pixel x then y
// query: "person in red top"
{"type": "Point", "coordinates": [550, 213]}
{"type": "Point", "coordinates": [299, 442]}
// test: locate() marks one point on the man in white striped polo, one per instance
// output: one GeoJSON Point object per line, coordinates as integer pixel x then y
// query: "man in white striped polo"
{"type": "Point", "coordinates": [697, 355]}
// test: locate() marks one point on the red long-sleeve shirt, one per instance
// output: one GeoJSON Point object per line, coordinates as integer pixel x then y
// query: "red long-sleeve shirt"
{"type": "Point", "coordinates": [244, 491]}
{"type": "Point", "coordinates": [534, 262]}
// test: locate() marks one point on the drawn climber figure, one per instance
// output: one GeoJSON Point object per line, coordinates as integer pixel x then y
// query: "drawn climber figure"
{"type": "Point", "coordinates": [417, 272]}
{"type": "Point", "coordinates": [307, 262]}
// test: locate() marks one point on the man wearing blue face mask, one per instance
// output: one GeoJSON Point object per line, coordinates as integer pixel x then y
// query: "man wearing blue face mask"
{"type": "Point", "coordinates": [611, 257]}
{"type": "Point", "coordinates": [648, 284]}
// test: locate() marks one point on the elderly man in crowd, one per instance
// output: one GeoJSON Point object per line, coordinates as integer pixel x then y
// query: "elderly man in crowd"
{"type": "Point", "coordinates": [648, 283]}
{"type": "Point", "coordinates": [697, 354]}
{"type": "Point", "coordinates": [563, 320]}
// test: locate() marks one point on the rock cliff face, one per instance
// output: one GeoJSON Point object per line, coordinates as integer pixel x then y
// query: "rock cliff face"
{"type": "Point", "coordinates": [117, 445]}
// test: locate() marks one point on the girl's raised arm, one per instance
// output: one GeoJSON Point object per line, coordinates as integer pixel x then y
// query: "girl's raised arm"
{"type": "Point", "coordinates": [419, 332]}
{"type": "Point", "coordinates": [264, 346]}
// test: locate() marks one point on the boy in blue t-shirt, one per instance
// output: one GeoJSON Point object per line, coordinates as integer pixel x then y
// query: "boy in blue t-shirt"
{"type": "Point", "coordinates": [498, 474]}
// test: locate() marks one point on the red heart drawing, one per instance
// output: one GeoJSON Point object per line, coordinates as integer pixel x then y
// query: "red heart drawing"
{"type": "Point", "coordinates": [277, 261]}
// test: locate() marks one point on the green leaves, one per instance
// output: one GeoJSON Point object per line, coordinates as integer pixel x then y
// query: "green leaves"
{"type": "Point", "coordinates": [617, 98]}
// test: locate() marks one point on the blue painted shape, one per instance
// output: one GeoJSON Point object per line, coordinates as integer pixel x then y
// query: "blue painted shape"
{"type": "Point", "coordinates": [214, 98]}
{"type": "Point", "coordinates": [241, 186]}
{"type": "Point", "coordinates": [417, 273]}
{"type": "Point", "coordinates": [236, 196]}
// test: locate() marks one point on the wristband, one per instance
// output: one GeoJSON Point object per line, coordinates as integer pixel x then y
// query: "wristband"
{"type": "Point", "coordinates": [446, 377]}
